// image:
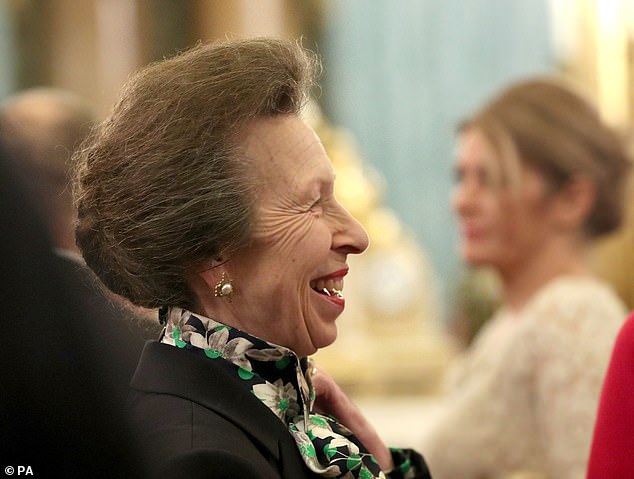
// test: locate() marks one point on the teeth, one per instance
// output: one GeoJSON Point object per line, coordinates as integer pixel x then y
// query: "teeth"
{"type": "Point", "coordinates": [329, 287]}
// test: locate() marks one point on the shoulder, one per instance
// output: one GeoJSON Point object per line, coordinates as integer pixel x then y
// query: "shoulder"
{"type": "Point", "coordinates": [580, 289]}
{"type": "Point", "coordinates": [578, 303]}
{"type": "Point", "coordinates": [213, 464]}
{"type": "Point", "coordinates": [178, 434]}
{"type": "Point", "coordinates": [571, 320]}
{"type": "Point", "coordinates": [183, 407]}
{"type": "Point", "coordinates": [571, 325]}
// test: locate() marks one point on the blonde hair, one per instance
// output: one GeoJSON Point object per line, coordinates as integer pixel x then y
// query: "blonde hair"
{"type": "Point", "coordinates": [160, 186]}
{"type": "Point", "coordinates": [544, 123]}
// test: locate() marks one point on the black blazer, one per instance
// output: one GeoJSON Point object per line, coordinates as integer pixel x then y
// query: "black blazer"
{"type": "Point", "coordinates": [193, 420]}
{"type": "Point", "coordinates": [110, 330]}
{"type": "Point", "coordinates": [57, 415]}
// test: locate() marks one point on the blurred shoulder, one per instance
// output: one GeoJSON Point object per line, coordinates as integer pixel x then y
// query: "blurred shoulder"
{"type": "Point", "coordinates": [575, 298]}
{"type": "Point", "coordinates": [575, 309]}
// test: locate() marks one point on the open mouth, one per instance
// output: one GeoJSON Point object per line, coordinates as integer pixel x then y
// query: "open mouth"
{"type": "Point", "coordinates": [329, 287]}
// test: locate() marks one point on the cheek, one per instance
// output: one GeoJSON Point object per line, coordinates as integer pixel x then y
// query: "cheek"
{"type": "Point", "coordinates": [283, 233]}
{"type": "Point", "coordinates": [289, 255]}
{"type": "Point", "coordinates": [523, 233]}
{"type": "Point", "coordinates": [506, 214]}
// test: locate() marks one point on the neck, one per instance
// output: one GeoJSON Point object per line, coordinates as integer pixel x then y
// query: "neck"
{"type": "Point", "coordinates": [522, 280]}
{"type": "Point", "coordinates": [63, 234]}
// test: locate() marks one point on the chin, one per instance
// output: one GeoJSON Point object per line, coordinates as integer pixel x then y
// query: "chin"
{"type": "Point", "coordinates": [324, 341]}
{"type": "Point", "coordinates": [325, 344]}
{"type": "Point", "coordinates": [474, 258]}
{"type": "Point", "coordinates": [474, 261]}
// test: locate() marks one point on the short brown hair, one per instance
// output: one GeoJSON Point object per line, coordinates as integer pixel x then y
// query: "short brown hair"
{"type": "Point", "coordinates": [159, 186]}
{"type": "Point", "coordinates": [544, 123]}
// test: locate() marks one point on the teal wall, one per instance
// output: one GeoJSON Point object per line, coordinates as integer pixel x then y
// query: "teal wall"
{"type": "Point", "coordinates": [7, 59]}
{"type": "Point", "coordinates": [401, 74]}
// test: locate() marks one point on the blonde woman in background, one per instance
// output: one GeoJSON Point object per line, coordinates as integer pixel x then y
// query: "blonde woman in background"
{"type": "Point", "coordinates": [539, 176]}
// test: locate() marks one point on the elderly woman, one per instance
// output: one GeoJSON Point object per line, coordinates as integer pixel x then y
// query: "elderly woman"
{"type": "Point", "coordinates": [205, 195]}
{"type": "Point", "coordinates": [539, 177]}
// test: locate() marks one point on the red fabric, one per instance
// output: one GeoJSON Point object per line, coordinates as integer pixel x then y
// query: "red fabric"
{"type": "Point", "coordinates": [612, 453]}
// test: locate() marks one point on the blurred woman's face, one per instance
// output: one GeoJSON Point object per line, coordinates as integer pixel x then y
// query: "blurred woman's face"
{"type": "Point", "coordinates": [289, 281]}
{"type": "Point", "coordinates": [500, 226]}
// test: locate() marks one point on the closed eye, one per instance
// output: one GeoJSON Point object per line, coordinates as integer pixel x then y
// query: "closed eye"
{"type": "Point", "coordinates": [480, 174]}
{"type": "Point", "coordinates": [317, 206]}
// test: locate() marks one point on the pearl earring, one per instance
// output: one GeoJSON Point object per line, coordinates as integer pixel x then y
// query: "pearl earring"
{"type": "Point", "coordinates": [224, 288]}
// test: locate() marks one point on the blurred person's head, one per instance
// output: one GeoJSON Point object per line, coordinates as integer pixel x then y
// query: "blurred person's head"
{"type": "Point", "coordinates": [41, 127]}
{"type": "Point", "coordinates": [204, 177]}
{"type": "Point", "coordinates": [536, 164]}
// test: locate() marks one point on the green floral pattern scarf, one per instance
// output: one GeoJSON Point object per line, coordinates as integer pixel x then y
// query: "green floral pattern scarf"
{"type": "Point", "coordinates": [276, 376]}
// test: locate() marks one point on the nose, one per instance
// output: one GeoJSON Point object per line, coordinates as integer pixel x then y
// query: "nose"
{"type": "Point", "coordinates": [349, 236]}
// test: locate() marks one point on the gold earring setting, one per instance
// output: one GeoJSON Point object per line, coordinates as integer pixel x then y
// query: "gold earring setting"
{"type": "Point", "coordinates": [224, 288]}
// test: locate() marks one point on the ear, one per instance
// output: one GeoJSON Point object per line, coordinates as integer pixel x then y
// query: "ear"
{"type": "Point", "coordinates": [210, 272]}
{"type": "Point", "coordinates": [210, 277]}
{"type": "Point", "coordinates": [573, 203]}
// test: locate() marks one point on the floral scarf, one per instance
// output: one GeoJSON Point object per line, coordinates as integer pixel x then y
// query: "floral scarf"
{"type": "Point", "coordinates": [276, 376]}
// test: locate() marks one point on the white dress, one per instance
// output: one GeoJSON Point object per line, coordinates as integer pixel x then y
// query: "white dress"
{"type": "Point", "coordinates": [523, 399]}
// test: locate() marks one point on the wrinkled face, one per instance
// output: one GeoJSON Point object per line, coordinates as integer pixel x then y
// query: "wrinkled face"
{"type": "Point", "coordinates": [501, 226]}
{"type": "Point", "coordinates": [289, 281]}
